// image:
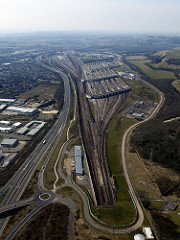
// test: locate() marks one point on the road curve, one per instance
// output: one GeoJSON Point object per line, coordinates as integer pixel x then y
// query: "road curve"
{"type": "Point", "coordinates": [123, 151]}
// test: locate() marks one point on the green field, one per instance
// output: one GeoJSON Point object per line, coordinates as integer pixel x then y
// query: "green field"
{"type": "Point", "coordinates": [173, 54]}
{"type": "Point", "coordinates": [141, 92]}
{"type": "Point", "coordinates": [156, 74]}
{"type": "Point", "coordinates": [121, 214]}
{"type": "Point", "coordinates": [176, 84]}
{"type": "Point", "coordinates": [115, 133]}
{"type": "Point", "coordinates": [43, 92]}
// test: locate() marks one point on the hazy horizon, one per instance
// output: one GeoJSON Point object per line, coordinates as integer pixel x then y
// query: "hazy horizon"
{"type": "Point", "coordinates": [114, 16]}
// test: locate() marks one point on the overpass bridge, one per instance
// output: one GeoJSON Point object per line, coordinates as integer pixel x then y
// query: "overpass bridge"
{"type": "Point", "coordinates": [37, 199]}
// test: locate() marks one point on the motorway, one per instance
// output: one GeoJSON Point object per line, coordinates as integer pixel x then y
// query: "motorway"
{"type": "Point", "coordinates": [17, 184]}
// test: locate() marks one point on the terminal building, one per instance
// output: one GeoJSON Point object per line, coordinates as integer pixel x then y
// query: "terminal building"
{"type": "Point", "coordinates": [78, 161]}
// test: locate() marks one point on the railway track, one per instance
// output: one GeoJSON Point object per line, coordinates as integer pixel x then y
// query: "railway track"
{"type": "Point", "coordinates": [94, 135]}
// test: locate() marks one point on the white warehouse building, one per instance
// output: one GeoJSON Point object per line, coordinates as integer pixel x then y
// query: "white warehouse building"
{"type": "Point", "coordinates": [148, 233]}
{"type": "Point", "coordinates": [78, 160]}
{"type": "Point", "coordinates": [6, 130]}
{"type": "Point", "coordinates": [6, 123]}
{"type": "Point", "coordinates": [22, 110]}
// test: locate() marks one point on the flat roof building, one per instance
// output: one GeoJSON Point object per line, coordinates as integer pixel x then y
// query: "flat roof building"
{"type": "Point", "coordinates": [17, 125]}
{"type": "Point", "coordinates": [78, 160]}
{"type": "Point", "coordinates": [33, 132]}
{"type": "Point", "coordinates": [7, 123]}
{"type": "Point", "coordinates": [22, 131]}
{"type": "Point", "coordinates": [5, 130]}
{"type": "Point", "coordinates": [2, 107]}
{"type": "Point", "coordinates": [139, 237]}
{"type": "Point", "coordinates": [9, 142]}
{"type": "Point", "coordinates": [148, 233]}
{"type": "Point", "coordinates": [78, 151]}
{"type": "Point", "coordinates": [22, 110]}
{"type": "Point", "coordinates": [5, 100]}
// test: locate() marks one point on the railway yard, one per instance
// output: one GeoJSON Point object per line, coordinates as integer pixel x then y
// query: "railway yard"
{"type": "Point", "coordinates": [94, 131]}
{"type": "Point", "coordinates": [101, 80]}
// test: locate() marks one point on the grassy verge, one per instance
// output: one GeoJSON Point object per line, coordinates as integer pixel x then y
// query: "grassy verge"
{"type": "Point", "coordinates": [114, 139]}
{"type": "Point", "coordinates": [76, 141]}
{"type": "Point", "coordinates": [32, 187]}
{"type": "Point", "coordinates": [49, 175]}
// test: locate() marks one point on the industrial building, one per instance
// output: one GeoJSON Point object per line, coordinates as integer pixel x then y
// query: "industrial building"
{"type": "Point", "coordinates": [7, 101]}
{"type": "Point", "coordinates": [33, 131]}
{"type": "Point", "coordinates": [17, 125]}
{"type": "Point", "coordinates": [10, 143]}
{"type": "Point", "coordinates": [139, 237]}
{"type": "Point", "coordinates": [78, 161]}
{"type": "Point", "coordinates": [6, 130]}
{"type": "Point", "coordinates": [148, 233]}
{"type": "Point", "coordinates": [39, 126]}
{"type": "Point", "coordinates": [22, 131]}
{"type": "Point", "coordinates": [2, 107]}
{"type": "Point", "coordinates": [22, 110]}
{"type": "Point", "coordinates": [6, 123]}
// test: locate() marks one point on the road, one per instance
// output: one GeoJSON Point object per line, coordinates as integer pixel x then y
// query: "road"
{"type": "Point", "coordinates": [42, 204]}
{"type": "Point", "coordinates": [17, 184]}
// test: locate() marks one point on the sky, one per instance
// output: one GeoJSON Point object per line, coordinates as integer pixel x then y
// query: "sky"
{"type": "Point", "coordinates": [148, 16]}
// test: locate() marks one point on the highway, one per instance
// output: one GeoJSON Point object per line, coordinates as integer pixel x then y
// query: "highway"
{"type": "Point", "coordinates": [17, 184]}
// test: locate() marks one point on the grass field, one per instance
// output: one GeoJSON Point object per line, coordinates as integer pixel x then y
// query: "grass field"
{"type": "Point", "coordinates": [156, 74]}
{"type": "Point", "coordinates": [81, 228]}
{"type": "Point", "coordinates": [173, 54]}
{"type": "Point", "coordinates": [141, 92]}
{"type": "Point", "coordinates": [49, 175]}
{"type": "Point", "coordinates": [43, 91]}
{"type": "Point", "coordinates": [115, 133]}
{"type": "Point", "coordinates": [121, 214]}
{"type": "Point", "coordinates": [176, 84]}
